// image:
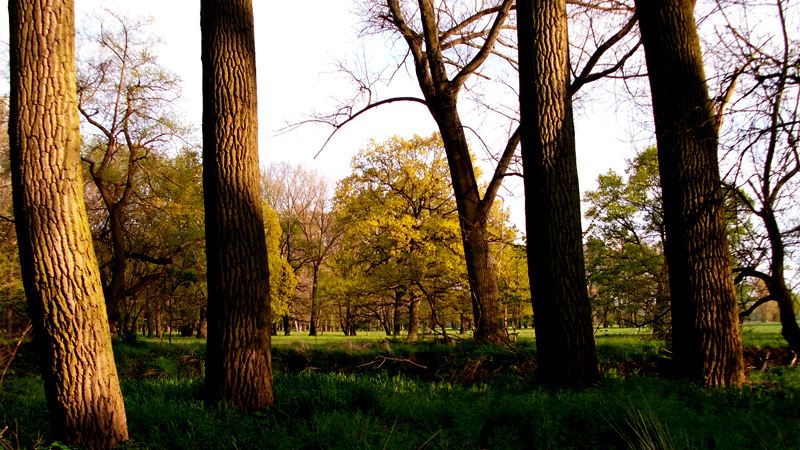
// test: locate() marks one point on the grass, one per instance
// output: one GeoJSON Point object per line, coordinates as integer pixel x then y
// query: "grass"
{"type": "Point", "coordinates": [764, 335]}
{"type": "Point", "coordinates": [340, 393]}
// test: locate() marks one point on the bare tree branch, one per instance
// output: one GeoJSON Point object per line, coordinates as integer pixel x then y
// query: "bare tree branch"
{"type": "Point", "coordinates": [337, 127]}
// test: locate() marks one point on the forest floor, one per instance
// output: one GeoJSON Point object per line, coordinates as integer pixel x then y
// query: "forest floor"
{"type": "Point", "coordinates": [373, 392]}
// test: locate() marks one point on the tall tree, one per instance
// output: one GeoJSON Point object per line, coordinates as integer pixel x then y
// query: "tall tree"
{"type": "Point", "coordinates": [562, 314]}
{"type": "Point", "coordinates": [706, 338]}
{"type": "Point", "coordinates": [764, 124]}
{"type": "Point", "coordinates": [238, 363]}
{"type": "Point", "coordinates": [125, 99]}
{"type": "Point", "coordinates": [427, 44]}
{"type": "Point", "coordinates": [59, 267]}
{"type": "Point", "coordinates": [451, 45]}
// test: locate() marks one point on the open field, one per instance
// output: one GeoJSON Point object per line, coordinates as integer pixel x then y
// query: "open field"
{"type": "Point", "coordinates": [369, 392]}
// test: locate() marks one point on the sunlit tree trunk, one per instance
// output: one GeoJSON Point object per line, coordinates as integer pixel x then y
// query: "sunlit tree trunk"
{"type": "Point", "coordinates": [59, 267]}
{"type": "Point", "coordinates": [564, 336]}
{"type": "Point", "coordinates": [706, 339]}
{"type": "Point", "coordinates": [238, 362]}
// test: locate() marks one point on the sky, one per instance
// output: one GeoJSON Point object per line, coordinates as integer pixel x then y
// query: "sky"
{"type": "Point", "coordinates": [296, 51]}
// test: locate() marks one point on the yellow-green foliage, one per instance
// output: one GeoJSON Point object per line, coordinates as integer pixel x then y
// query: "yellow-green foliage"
{"type": "Point", "coordinates": [402, 226]}
{"type": "Point", "coordinates": [282, 281]}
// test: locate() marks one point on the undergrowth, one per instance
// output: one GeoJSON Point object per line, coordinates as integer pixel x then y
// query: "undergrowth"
{"type": "Point", "coordinates": [395, 395]}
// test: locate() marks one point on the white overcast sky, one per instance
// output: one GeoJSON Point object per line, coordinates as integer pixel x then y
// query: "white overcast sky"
{"type": "Point", "coordinates": [297, 44]}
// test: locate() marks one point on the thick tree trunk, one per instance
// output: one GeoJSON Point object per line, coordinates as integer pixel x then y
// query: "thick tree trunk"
{"type": "Point", "coordinates": [238, 364]}
{"type": "Point", "coordinates": [59, 267]}
{"type": "Point", "coordinates": [564, 335]}
{"type": "Point", "coordinates": [706, 339]}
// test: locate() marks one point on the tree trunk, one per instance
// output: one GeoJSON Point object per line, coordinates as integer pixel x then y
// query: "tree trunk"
{"type": "Point", "coordinates": [473, 221]}
{"type": "Point", "coordinates": [59, 266]}
{"type": "Point", "coordinates": [564, 335]}
{"type": "Point", "coordinates": [398, 304]}
{"type": "Point", "coordinates": [287, 331]}
{"type": "Point", "coordinates": [706, 339]}
{"type": "Point", "coordinates": [413, 319]}
{"type": "Point", "coordinates": [464, 324]}
{"type": "Point", "coordinates": [777, 287]}
{"type": "Point", "coordinates": [115, 290]}
{"type": "Point", "coordinates": [202, 325]}
{"type": "Point", "coordinates": [150, 317]}
{"type": "Point", "coordinates": [238, 364]}
{"type": "Point", "coordinates": [314, 313]}
{"type": "Point", "coordinates": [9, 322]}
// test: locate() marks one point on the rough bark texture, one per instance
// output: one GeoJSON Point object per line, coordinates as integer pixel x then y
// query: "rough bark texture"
{"type": "Point", "coordinates": [59, 267]}
{"type": "Point", "coordinates": [706, 339]}
{"type": "Point", "coordinates": [238, 362]}
{"type": "Point", "coordinates": [563, 318]}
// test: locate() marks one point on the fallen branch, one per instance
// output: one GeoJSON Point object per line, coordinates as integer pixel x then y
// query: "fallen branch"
{"type": "Point", "coordinates": [382, 359]}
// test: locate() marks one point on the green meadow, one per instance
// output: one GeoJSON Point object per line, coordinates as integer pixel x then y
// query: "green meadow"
{"type": "Point", "coordinates": [370, 392]}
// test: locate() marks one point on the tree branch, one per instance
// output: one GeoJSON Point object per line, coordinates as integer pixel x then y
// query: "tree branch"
{"type": "Point", "coordinates": [365, 109]}
{"type": "Point", "coordinates": [500, 172]}
{"type": "Point", "coordinates": [149, 259]}
{"type": "Point", "coordinates": [755, 305]}
{"type": "Point", "coordinates": [744, 272]}
{"type": "Point", "coordinates": [586, 75]}
{"type": "Point", "coordinates": [488, 45]}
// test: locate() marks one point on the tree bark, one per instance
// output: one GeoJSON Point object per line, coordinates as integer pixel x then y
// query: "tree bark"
{"type": "Point", "coordinates": [413, 318]}
{"type": "Point", "coordinates": [238, 364]}
{"type": "Point", "coordinates": [706, 339]}
{"type": "Point", "coordinates": [59, 266]}
{"type": "Point", "coordinates": [564, 335]}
